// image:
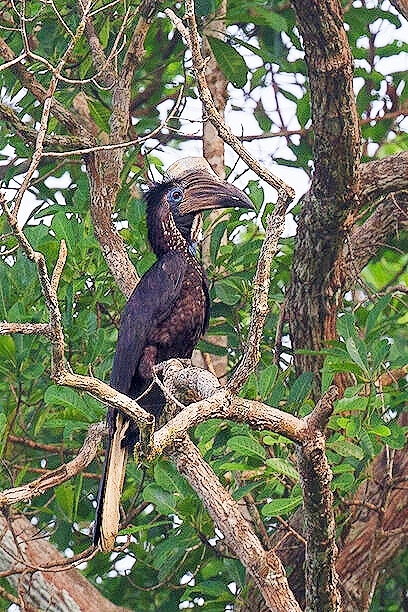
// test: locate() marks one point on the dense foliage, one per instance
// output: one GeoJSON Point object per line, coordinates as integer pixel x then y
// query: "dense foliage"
{"type": "Point", "coordinates": [175, 555]}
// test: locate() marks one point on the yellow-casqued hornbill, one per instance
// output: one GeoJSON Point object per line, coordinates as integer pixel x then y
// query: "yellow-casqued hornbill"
{"type": "Point", "coordinates": [164, 318]}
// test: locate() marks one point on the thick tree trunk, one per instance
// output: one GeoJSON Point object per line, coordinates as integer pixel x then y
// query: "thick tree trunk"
{"type": "Point", "coordinates": [40, 575]}
{"type": "Point", "coordinates": [312, 298]}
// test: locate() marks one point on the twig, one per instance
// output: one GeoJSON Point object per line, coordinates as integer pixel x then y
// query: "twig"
{"type": "Point", "coordinates": [35, 160]}
{"type": "Point", "coordinates": [125, 144]}
{"type": "Point", "coordinates": [59, 266]}
{"type": "Point", "coordinates": [199, 66]}
{"type": "Point", "coordinates": [66, 117]}
{"type": "Point", "coordinates": [63, 473]}
{"type": "Point", "coordinates": [261, 283]}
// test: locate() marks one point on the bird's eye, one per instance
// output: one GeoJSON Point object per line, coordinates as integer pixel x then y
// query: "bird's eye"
{"type": "Point", "coordinates": [175, 195]}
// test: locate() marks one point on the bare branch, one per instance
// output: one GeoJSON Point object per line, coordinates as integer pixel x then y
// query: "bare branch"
{"type": "Point", "coordinates": [384, 176]}
{"type": "Point", "coordinates": [106, 72]}
{"type": "Point", "coordinates": [47, 105]}
{"type": "Point", "coordinates": [38, 329]}
{"type": "Point", "coordinates": [366, 240]}
{"type": "Point", "coordinates": [67, 117]}
{"type": "Point", "coordinates": [56, 477]}
{"type": "Point", "coordinates": [260, 284]}
{"type": "Point", "coordinates": [59, 266]}
{"type": "Point", "coordinates": [30, 134]}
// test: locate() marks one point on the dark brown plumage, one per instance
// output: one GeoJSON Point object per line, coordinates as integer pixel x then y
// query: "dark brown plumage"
{"type": "Point", "coordinates": [165, 316]}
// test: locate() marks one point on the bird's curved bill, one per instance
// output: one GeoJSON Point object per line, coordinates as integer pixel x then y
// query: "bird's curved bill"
{"type": "Point", "coordinates": [202, 191]}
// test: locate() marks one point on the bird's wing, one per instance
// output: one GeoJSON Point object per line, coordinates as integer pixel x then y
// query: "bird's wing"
{"type": "Point", "coordinates": [149, 304]}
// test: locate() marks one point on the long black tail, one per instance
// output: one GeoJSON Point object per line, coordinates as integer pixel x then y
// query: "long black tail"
{"type": "Point", "coordinates": [123, 435]}
{"type": "Point", "coordinates": [107, 518]}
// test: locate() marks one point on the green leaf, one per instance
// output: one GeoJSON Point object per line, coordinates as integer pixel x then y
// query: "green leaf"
{"type": "Point", "coordinates": [379, 352]}
{"type": "Point", "coordinates": [166, 557]}
{"type": "Point", "coordinates": [228, 291]}
{"type": "Point", "coordinates": [346, 449]}
{"type": "Point", "coordinates": [164, 501]}
{"type": "Point", "coordinates": [168, 553]}
{"type": "Point", "coordinates": [266, 380]}
{"type": "Point", "coordinates": [367, 444]}
{"type": "Point", "coordinates": [281, 507]}
{"type": "Point", "coordinates": [358, 352]}
{"type": "Point", "coordinates": [376, 311]}
{"type": "Point", "coordinates": [244, 490]}
{"type": "Point", "coordinates": [3, 426]}
{"type": "Point", "coordinates": [353, 426]}
{"type": "Point", "coordinates": [7, 354]}
{"type": "Point", "coordinates": [351, 404]}
{"type": "Point", "coordinates": [65, 496]}
{"type": "Point", "coordinates": [145, 527]}
{"type": "Point", "coordinates": [205, 7]}
{"type": "Point", "coordinates": [283, 466]}
{"type": "Point", "coordinates": [397, 438]}
{"type": "Point", "coordinates": [379, 430]}
{"type": "Point", "coordinates": [230, 62]}
{"type": "Point", "coordinates": [208, 430]}
{"type": "Point", "coordinates": [169, 479]}
{"type": "Point", "coordinates": [256, 193]}
{"type": "Point", "coordinates": [215, 240]}
{"type": "Point", "coordinates": [213, 349]}
{"type": "Point", "coordinates": [104, 32]}
{"type": "Point", "coordinates": [232, 466]}
{"type": "Point", "coordinates": [69, 398]}
{"type": "Point", "coordinates": [344, 482]}
{"type": "Point", "coordinates": [300, 388]}
{"type": "Point", "coordinates": [63, 229]}
{"type": "Point", "coordinates": [246, 446]}
{"type": "Point", "coordinates": [346, 326]}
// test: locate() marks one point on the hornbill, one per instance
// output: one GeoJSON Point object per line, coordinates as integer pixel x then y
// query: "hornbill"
{"type": "Point", "coordinates": [165, 316]}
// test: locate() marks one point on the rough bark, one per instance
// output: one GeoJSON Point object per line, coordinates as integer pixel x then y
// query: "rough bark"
{"type": "Point", "coordinates": [379, 528]}
{"type": "Point", "coordinates": [41, 575]}
{"type": "Point", "coordinates": [379, 531]}
{"type": "Point", "coordinates": [333, 194]}
{"type": "Point", "coordinates": [264, 566]}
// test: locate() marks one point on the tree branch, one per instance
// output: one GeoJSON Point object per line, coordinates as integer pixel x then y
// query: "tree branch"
{"type": "Point", "coordinates": [265, 567]}
{"type": "Point", "coordinates": [199, 67]}
{"type": "Point", "coordinates": [320, 527]}
{"type": "Point", "coordinates": [260, 284]}
{"type": "Point", "coordinates": [72, 123]}
{"type": "Point", "coordinates": [63, 473]}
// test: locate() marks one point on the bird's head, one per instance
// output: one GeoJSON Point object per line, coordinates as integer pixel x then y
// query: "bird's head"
{"type": "Point", "coordinates": [190, 186]}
